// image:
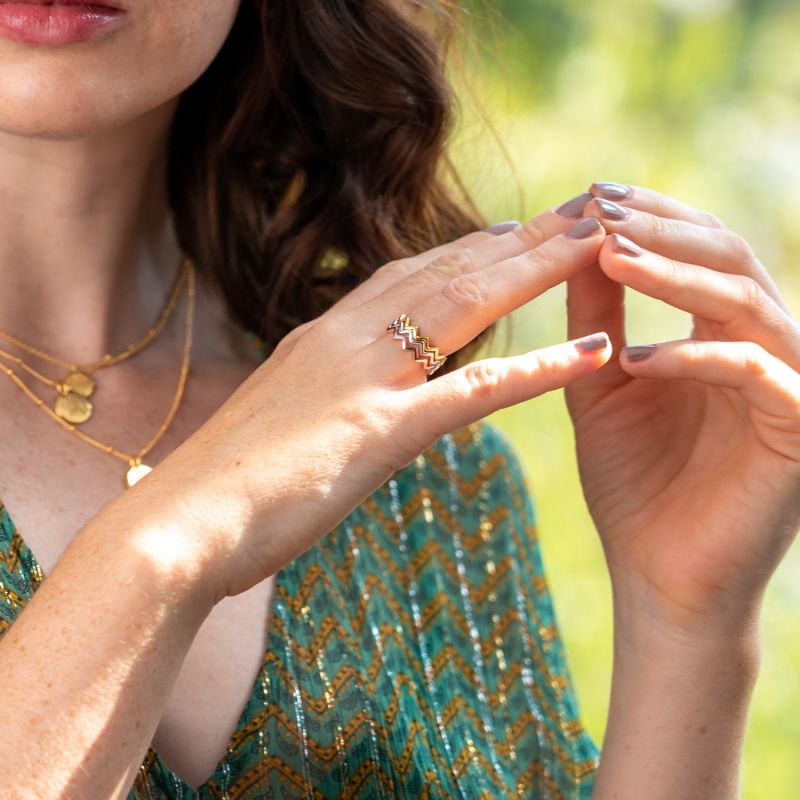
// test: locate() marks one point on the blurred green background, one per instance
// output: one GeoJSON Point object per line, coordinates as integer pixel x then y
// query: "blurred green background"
{"type": "Point", "coordinates": [699, 99]}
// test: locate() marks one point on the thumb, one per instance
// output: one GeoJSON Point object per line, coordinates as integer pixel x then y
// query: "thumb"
{"type": "Point", "coordinates": [595, 302]}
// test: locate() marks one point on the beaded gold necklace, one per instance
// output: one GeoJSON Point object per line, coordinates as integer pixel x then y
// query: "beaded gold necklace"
{"type": "Point", "coordinates": [136, 468]}
{"type": "Point", "coordinates": [72, 393]}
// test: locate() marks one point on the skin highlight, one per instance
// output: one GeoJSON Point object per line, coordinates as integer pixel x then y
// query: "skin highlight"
{"type": "Point", "coordinates": [86, 257]}
{"type": "Point", "coordinates": [82, 166]}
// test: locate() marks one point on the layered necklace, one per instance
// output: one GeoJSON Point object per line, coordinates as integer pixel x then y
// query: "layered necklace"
{"type": "Point", "coordinates": [71, 405]}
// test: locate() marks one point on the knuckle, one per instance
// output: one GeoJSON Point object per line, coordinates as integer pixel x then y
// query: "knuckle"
{"type": "Point", "coordinates": [398, 269]}
{"type": "Point", "coordinates": [710, 220]}
{"type": "Point", "coordinates": [285, 344]}
{"type": "Point", "coordinates": [660, 231]}
{"type": "Point", "coordinates": [673, 279]}
{"type": "Point", "coordinates": [470, 290]}
{"type": "Point", "coordinates": [322, 331]}
{"type": "Point", "coordinates": [659, 205]}
{"type": "Point", "coordinates": [540, 259]}
{"type": "Point", "coordinates": [531, 233]}
{"type": "Point", "coordinates": [290, 338]}
{"type": "Point", "coordinates": [376, 414]}
{"type": "Point", "coordinates": [752, 296]}
{"type": "Point", "coordinates": [691, 353]}
{"type": "Point", "coordinates": [753, 361]}
{"type": "Point", "coordinates": [542, 362]}
{"type": "Point", "coordinates": [451, 265]}
{"type": "Point", "coordinates": [484, 377]}
{"type": "Point", "coordinates": [738, 247]}
{"type": "Point", "coordinates": [301, 329]}
{"type": "Point", "coordinates": [674, 272]}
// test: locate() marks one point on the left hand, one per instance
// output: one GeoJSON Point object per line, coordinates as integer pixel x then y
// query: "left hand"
{"type": "Point", "coordinates": [689, 458]}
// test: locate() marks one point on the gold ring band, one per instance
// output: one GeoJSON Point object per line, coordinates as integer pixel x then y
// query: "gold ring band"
{"type": "Point", "coordinates": [424, 352]}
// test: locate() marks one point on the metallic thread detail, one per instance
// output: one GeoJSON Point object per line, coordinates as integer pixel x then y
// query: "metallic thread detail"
{"type": "Point", "coordinates": [413, 652]}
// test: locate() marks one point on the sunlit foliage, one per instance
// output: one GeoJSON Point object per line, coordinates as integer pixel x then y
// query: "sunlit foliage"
{"type": "Point", "coordinates": [696, 98]}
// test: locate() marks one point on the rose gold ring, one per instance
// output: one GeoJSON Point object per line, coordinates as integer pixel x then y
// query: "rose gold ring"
{"type": "Point", "coordinates": [424, 352]}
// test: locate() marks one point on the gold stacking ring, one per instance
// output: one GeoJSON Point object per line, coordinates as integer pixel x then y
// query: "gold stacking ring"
{"type": "Point", "coordinates": [424, 352]}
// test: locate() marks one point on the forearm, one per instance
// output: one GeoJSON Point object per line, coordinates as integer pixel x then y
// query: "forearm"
{"type": "Point", "coordinates": [87, 668]}
{"type": "Point", "coordinates": [677, 716]}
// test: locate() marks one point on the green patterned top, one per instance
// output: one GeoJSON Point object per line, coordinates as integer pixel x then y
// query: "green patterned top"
{"type": "Point", "coordinates": [413, 652]}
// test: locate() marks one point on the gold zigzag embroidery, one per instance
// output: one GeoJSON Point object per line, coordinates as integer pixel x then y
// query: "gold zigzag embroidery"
{"type": "Point", "coordinates": [501, 532]}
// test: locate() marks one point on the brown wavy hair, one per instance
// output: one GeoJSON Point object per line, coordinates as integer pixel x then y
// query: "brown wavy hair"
{"type": "Point", "coordinates": [313, 150]}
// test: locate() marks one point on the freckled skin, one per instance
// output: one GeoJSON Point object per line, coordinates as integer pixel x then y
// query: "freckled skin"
{"type": "Point", "coordinates": [68, 115]}
{"type": "Point", "coordinates": [64, 91]}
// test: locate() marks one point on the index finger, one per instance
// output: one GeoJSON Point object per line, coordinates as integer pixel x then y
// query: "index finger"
{"type": "Point", "coordinates": [656, 203]}
{"type": "Point", "coordinates": [452, 309]}
{"type": "Point", "coordinates": [478, 250]}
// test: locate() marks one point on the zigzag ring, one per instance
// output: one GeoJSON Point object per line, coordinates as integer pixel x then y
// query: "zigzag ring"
{"type": "Point", "coordinates": [424, 352]}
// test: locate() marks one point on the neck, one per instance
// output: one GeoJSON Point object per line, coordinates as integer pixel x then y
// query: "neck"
{"type": "Point", "coordinates": [87, 250]}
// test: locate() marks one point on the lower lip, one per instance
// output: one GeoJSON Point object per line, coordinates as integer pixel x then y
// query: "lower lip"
{"type": "Point", "coordinates": [37, 24]}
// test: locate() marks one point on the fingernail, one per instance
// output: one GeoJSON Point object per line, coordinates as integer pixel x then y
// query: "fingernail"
{"type": "Point", "coordinates": [624, 245]}
{"type": "Point", "coordinates": [639, 352]}
{"type": "Point", "coordinates": [503, 227]}
{"type": "Point", "coordinates": [612, 210]}
{"type": "Point", "coordinates": [584, 229]}
{"type": "Point", "coordinates": [574, 208]}
{"type": "Point", "coordinates": [612, 191]}
{"type": "Point", "coordinates": [591, 344]}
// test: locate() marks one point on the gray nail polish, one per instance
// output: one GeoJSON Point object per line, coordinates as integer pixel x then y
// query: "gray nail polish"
{"type": "Point", "coordinates": [624, 245]}
{"type": "Point", "coordinates": [612, 191]}
{"type": "Point", "coordinates": [503, 227]}
{"type": "Point", "coordinates": [611, 210]}
{"type": "Point", "coordinates": [584, 229]}
{"type": "Point", "coordinates": [574, 208]}
{"type": "Point", "coordinates": [593, 343]}
{"type": "Point", "coordinates": [639, 352]}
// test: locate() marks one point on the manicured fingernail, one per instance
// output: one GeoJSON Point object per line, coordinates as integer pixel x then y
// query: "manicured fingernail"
{"type": "Point", "coordinates": [584, 229]}
{"type": "Point", "coordinates": [612, 210]}
{"type": "Point", "coordinates": [503, 227]}
{"type": "Point", "coordinates": [612, 191]}
{"type": "Point", "coordinates": [624, 245]}
{"type": "Point", "coordinates": [639, 352]}
{"type": "Point", "coordinates": [593, 343]}
{"type": "Point", "coordinates": [574, 208]}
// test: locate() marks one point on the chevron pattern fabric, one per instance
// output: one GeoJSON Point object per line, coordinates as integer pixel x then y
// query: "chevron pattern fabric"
{"type": "Point", "coordinates": [412, 653]}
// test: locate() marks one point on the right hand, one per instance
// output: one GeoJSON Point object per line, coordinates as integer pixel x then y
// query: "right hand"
{"type": "Point", "coordinates": [339, 406]}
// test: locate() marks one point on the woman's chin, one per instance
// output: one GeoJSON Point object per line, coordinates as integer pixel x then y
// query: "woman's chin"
{"type": "Point", "coordinates": [54, 120]}
{"type": "Point", "coordinates": [71, 110]}
{"type": "Point", "coordinates": [72, 90]}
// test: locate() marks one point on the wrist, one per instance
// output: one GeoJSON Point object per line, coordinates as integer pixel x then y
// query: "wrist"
{"type": "Point", "coordinates": [650, 652]}
{"type": "Point", "coordinates": [645, 652]}
{"type": "Point", "coordinates": [169, 534]}
{"type": "Point", "coordinates": [678, 710]}
{"type": "Point", "coordinates": [644, 616]}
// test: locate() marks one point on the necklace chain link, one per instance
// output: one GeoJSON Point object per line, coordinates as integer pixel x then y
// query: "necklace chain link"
{"type": "Point", "coordinates": [108, 359]}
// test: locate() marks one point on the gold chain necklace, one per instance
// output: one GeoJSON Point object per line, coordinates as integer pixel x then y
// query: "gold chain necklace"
{"type": "Point", "coordinates": [72, 393]}
{"type": "Point", "coordinates": [136, 468]}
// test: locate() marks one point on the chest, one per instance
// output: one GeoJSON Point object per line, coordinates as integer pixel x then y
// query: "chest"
{"type": "Point", "coordinates": [380, 671]}
{"type": "Point", "coordinates": [52, 484]}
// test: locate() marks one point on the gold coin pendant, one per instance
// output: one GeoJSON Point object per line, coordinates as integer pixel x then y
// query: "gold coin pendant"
{"type": "Point", "coordinates": [80, 383]}
{"type": "Point", "coordinates": [136, 473]}
{"type": "Point", "coordinates": [73, 408]}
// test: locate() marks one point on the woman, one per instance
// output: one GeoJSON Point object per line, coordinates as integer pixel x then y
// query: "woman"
{"type": "Point", "coordinates": [329, 583]}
